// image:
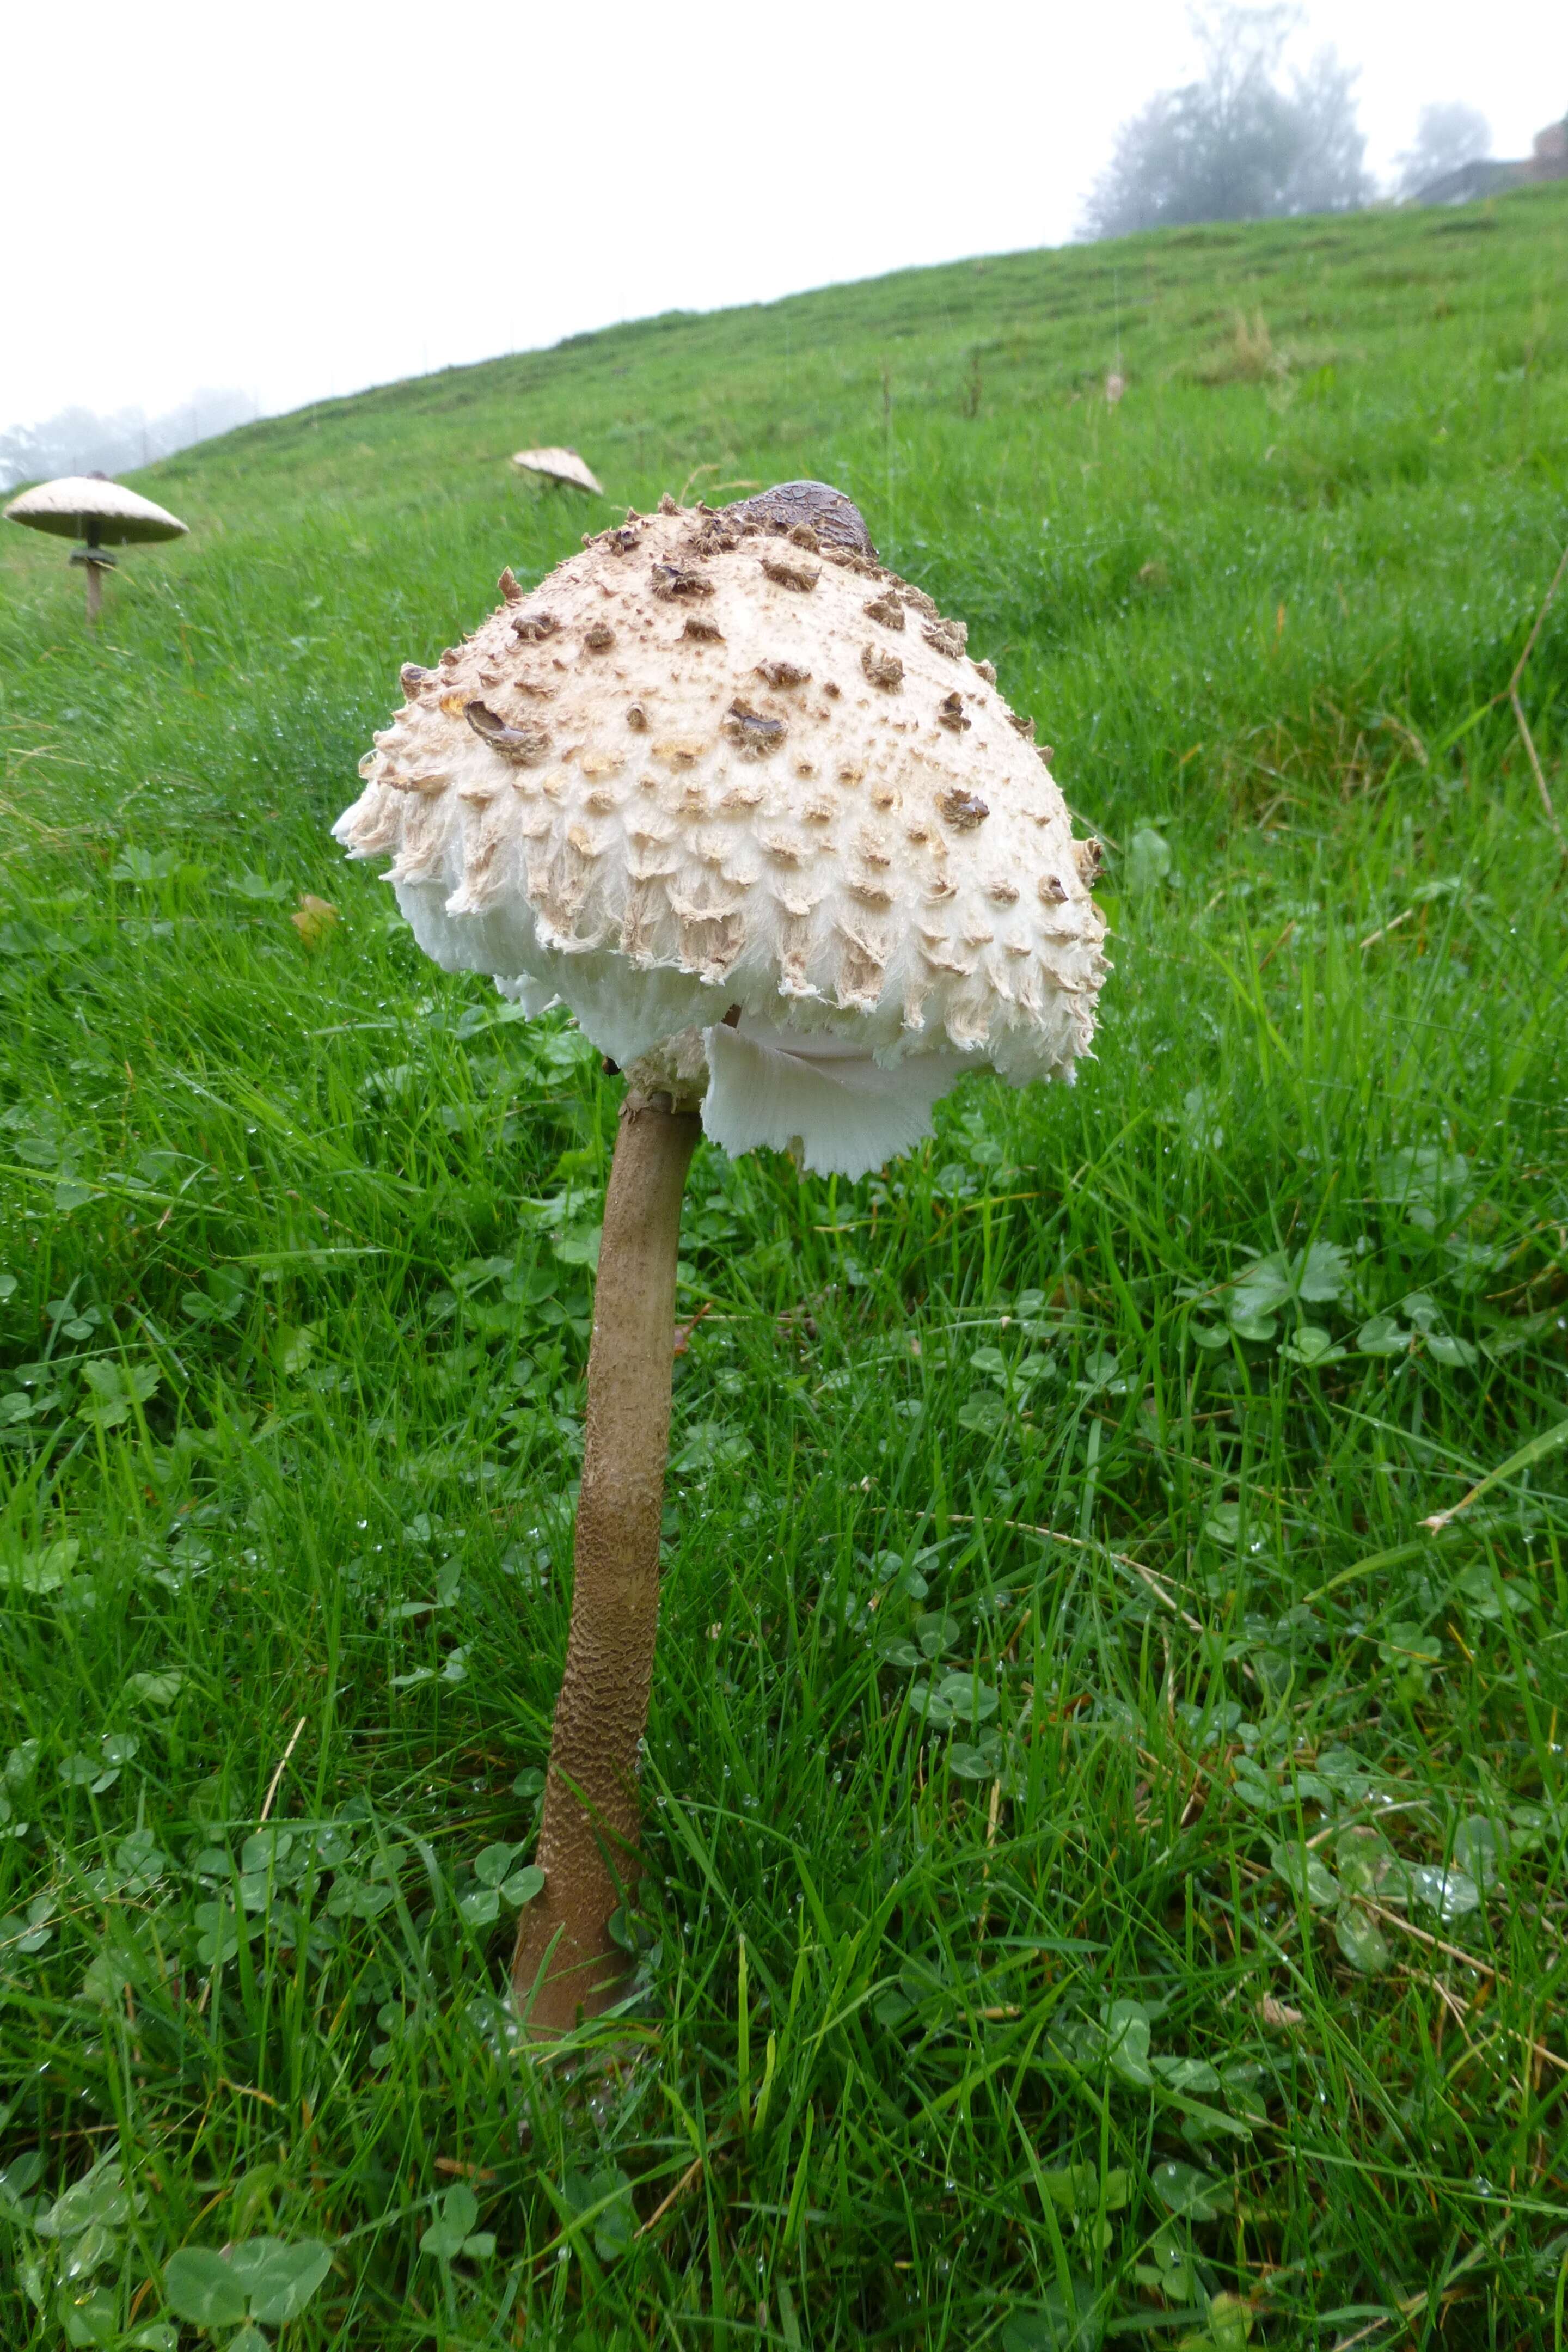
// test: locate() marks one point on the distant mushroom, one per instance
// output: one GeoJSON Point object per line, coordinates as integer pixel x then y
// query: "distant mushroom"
{"type": "Point", "coordinates": [99, 512]}
{"type": "Point", "coordinates": [793, 901]}
{"type": "Point", "coordinates": [563, 465]}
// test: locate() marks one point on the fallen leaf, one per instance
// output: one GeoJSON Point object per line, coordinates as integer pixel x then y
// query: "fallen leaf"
{"type": "Point", "coordinates": [315, 918]}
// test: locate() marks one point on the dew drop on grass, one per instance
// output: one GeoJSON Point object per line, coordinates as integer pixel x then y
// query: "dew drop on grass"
{"type": "Point", "coordinates": [1362, 1940]}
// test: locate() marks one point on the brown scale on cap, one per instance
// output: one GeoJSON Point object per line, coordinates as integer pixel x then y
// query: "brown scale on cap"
{"type": "Point", "coordinates": [790, 573]}
{"type": "Point", "coordinates": [525, 747]}
{"type": "Point", "coordinates": [753, 730]}
{"type": "Point", "coordinates": [866, 566]}
{"type": "Point", "coordinates": [716, 535]}
{"type": "Point", "coordinates": [675, 580]}
{"type": "Point", "coordinates": [886, 609]}
{"type": "Point", "coordinates": [963, 811]}
{"type": "Point", "coordinates": [883, 669]}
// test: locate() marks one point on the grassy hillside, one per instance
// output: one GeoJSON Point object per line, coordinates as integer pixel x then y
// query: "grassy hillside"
{"type": "Point", "coordinates": [1106, 1849]}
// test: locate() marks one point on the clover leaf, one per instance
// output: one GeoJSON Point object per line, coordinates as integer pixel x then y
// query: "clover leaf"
{"type": "Point", "coordinates": [260, 2282]}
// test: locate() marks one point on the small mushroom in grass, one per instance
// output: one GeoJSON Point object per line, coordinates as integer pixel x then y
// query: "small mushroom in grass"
{"type": "Point", "coordinates": [99, 512]}
{"type": "Point", "coordinates": [793, 920]}
{"type": "Point", "coordinates": [563, 465]}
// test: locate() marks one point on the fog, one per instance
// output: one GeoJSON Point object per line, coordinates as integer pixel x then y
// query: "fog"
{"type": "Point", "coordinates": [81, 441]}
{"type": "Point", "coordinates": [318, 198]}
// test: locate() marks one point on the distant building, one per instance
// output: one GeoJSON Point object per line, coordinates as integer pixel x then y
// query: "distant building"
{"type": "Point", "coordinates": [1490, 176]}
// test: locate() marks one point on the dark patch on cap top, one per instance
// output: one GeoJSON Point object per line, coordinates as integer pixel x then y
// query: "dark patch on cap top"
{"type": "Point", "coordinates": [836, 519]}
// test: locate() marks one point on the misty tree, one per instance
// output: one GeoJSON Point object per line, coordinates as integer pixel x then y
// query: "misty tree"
{"type": "Point", "coordinates": [79, 441]}
{"type": "Point", "coordinates": [1239, 143]}
{"type": "Point", "coordinates": [1446, 138]}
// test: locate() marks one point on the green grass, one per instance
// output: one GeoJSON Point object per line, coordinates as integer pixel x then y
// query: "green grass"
{"type": "Point", "coordinates": [937, 2006]}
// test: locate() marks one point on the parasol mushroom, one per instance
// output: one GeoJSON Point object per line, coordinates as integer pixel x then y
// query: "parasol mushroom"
{"type": "Point", "coordinates": [740, 798]}
{"type": "Point", "coordinates": [563, 465]}
{"type": "Point", "coordinates": [100, 513]}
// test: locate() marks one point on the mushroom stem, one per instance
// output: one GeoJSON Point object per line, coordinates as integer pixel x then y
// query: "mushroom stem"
{"type": "Point", "coordinates": [94, 575]}
{"type": "Point", "coordinates": [565, 1964]}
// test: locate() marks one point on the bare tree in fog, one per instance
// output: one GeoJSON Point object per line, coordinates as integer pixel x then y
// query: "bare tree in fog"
{"type": "Point", "coordinates": [1237, 144]}
{"type": "Point", "coordinates": [78, 441]}
{"type": "Point", "coordinates": [1446, 137]}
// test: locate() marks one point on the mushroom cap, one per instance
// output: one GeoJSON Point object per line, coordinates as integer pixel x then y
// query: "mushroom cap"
{"type": "Point", "coordinates": [78, 504]}
{"type": "Point", "coordinates": [708, 765]}
{"type": "Point", "coordinates": [559, 466]}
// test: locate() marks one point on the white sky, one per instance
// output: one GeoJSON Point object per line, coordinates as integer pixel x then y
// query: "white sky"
{"type": "Point", "coordinates": [299, 200]}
